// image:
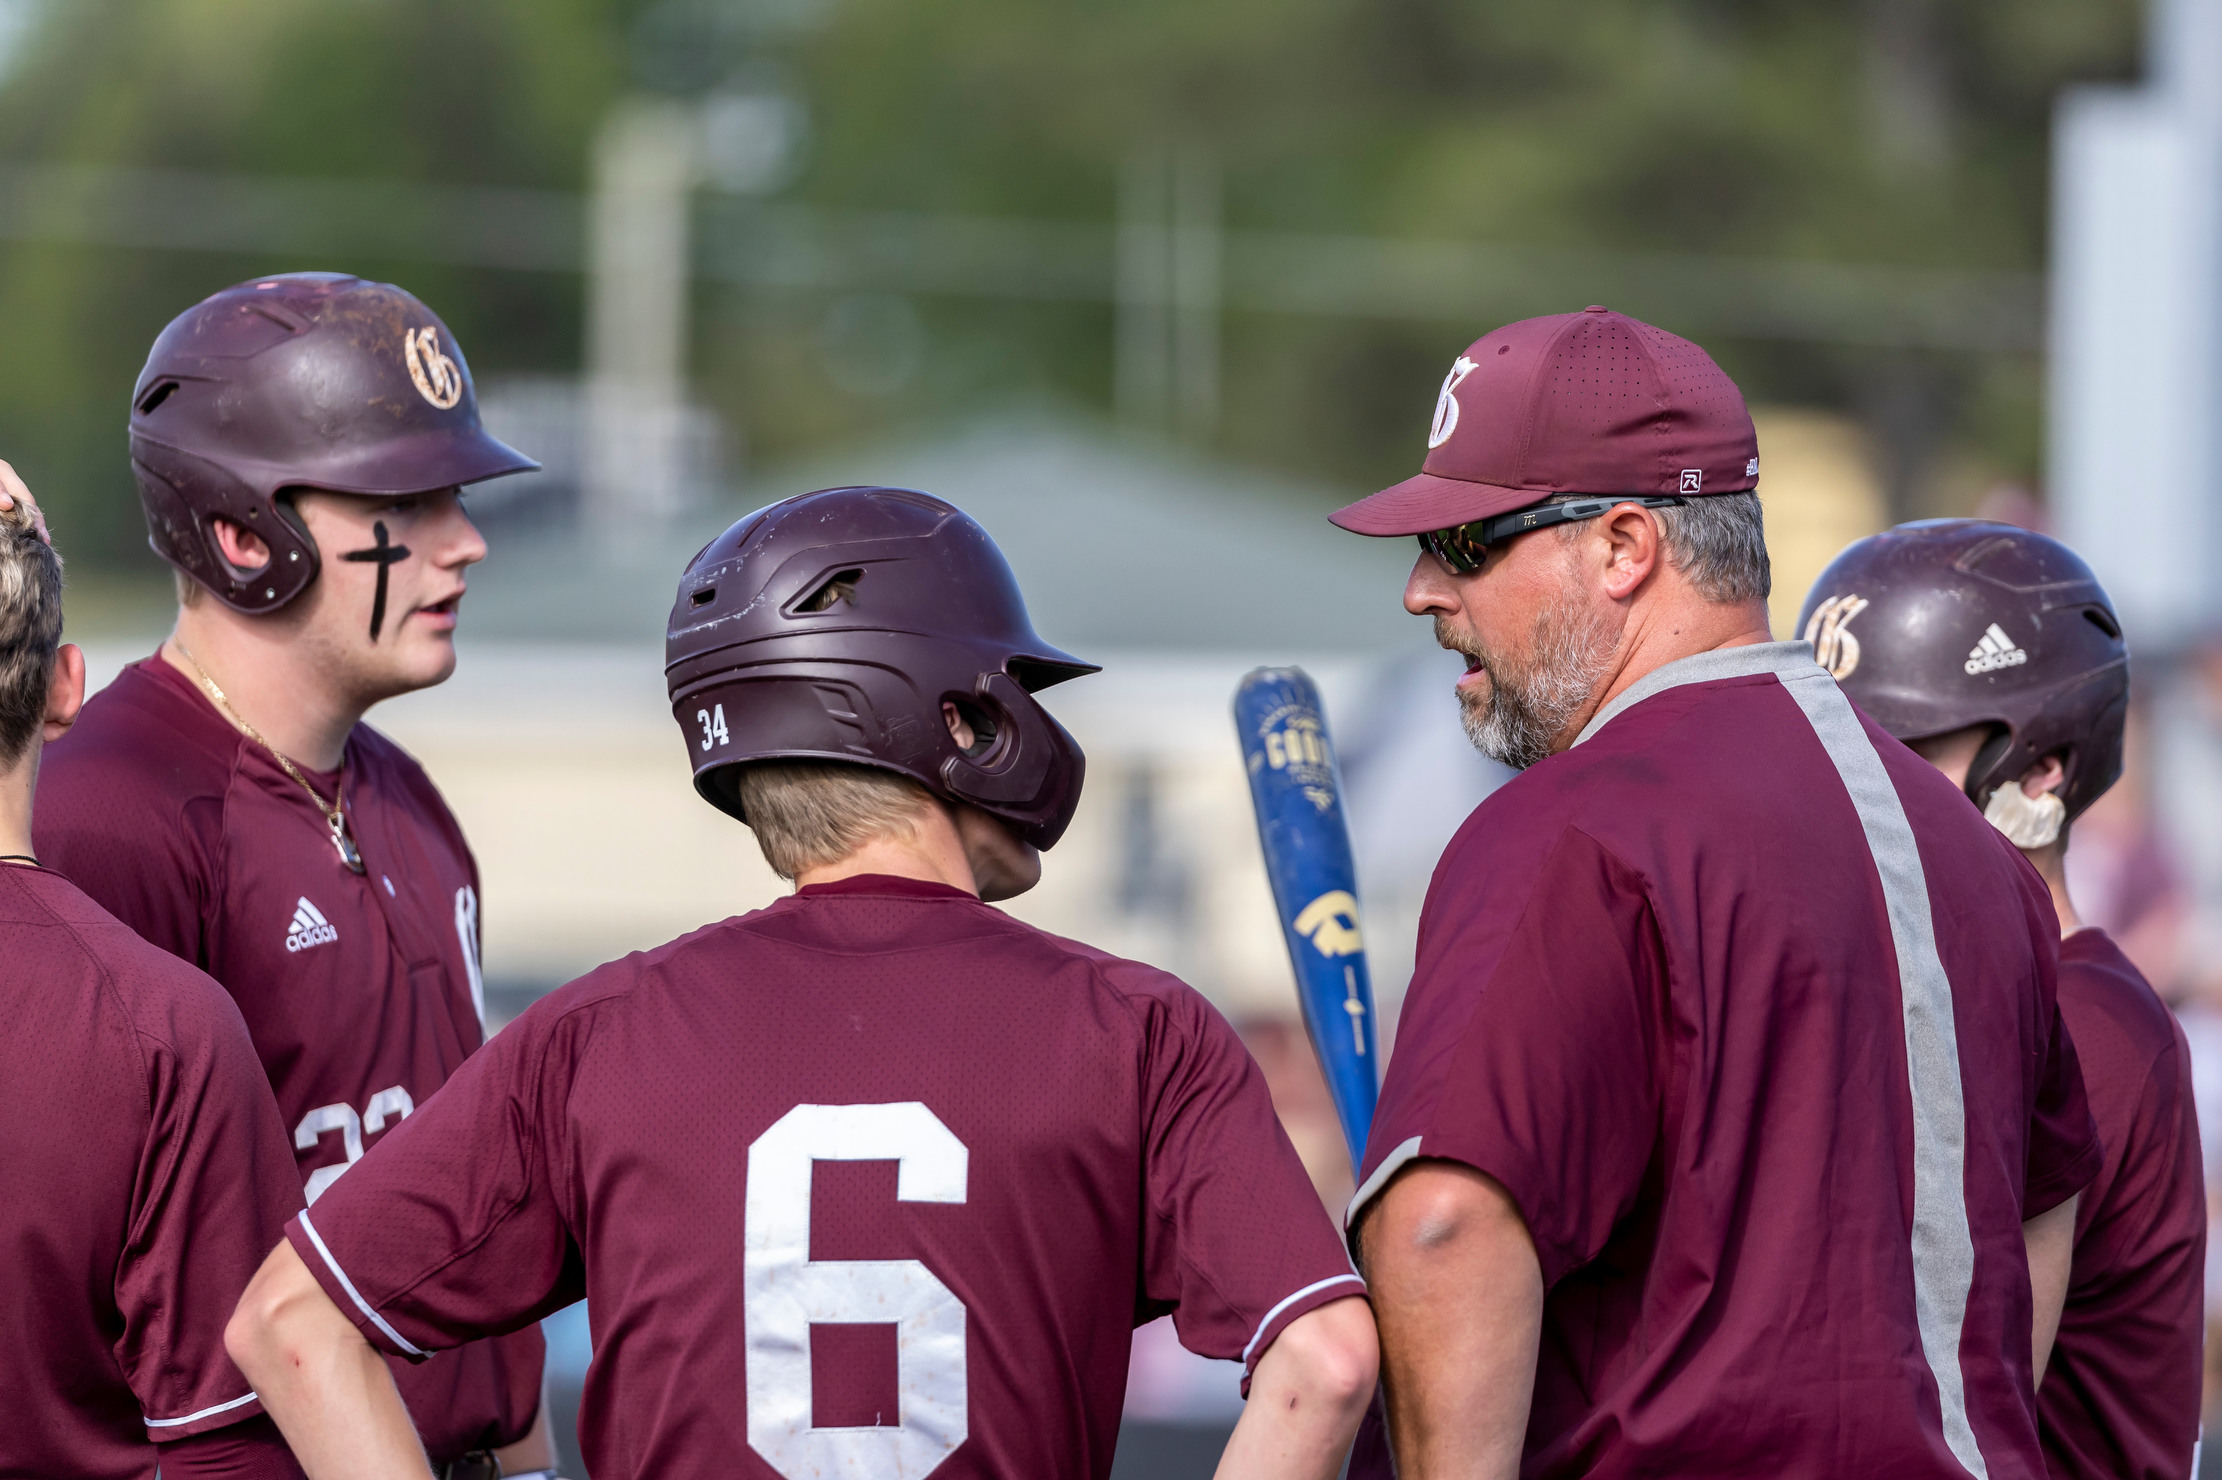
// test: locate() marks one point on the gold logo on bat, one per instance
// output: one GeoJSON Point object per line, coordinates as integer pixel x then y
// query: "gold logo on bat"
{"type": "Point", "coordinates": [1330, 923]}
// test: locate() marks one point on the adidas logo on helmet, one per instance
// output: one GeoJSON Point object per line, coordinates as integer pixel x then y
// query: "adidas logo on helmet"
{"type": "Point", "coordinates": [1994, 652]}
{"type": "Point", "coordinates": [309, 928]}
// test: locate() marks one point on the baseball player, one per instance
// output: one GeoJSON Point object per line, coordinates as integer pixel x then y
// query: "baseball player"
{"type": "Point", "coordinates": [1993, 652]}
{"type": "Point", "coordinates": [1730, 1119]}
{"type": "Point", "coordinates": [300, 443]}
{"type": "Point", "coordinates": [875, 1182]}
{"type": "Point", "coordinates": [143, 1171]}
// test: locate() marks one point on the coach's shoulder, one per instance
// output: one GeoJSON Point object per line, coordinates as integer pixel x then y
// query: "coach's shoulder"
{"type": "Point", "coordinates": [1501, 842]}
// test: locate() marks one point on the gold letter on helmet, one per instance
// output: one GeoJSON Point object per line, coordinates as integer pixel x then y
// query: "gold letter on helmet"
{"type": "Point", "coordinates": [438, 380]}
{"type": "Point", "coordinates": [1834, 647]}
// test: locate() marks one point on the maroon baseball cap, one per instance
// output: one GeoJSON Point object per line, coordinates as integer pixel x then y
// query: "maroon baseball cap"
{"type": "Point", "coordinates": [1589, 402]}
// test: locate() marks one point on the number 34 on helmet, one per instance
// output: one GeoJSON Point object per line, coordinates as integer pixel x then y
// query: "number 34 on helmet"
{"type": "Point", "coordinates": [834, 626]}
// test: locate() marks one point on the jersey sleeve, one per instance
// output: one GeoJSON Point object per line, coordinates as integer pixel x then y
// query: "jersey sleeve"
{"type": "Point", "coordinates": [1531, 1048]}
{"type": "Point", "coordinates": [456, 1225]}
{"type": "Point", "coordinates": [1235, 1243]}
{"type": "Point", "coordinates": [2064, 1152]}
{"type": "Point", "coordinates": [214, 1186]}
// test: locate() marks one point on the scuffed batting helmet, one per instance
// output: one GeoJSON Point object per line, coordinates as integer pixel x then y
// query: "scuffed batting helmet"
{"type": "Point", "coordinates": [833, 626]}
{"type": "Point", "coordinates": [309, 380]}
{"type": "Point", "coordinates": [1947, 623]}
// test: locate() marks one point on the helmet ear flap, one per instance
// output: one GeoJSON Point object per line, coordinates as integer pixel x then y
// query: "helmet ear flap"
{"type": "Point", "coordinates": [1033, 766]}
{"type": "Point", "coordinates": [180, 493]}
{"type": "Point", "coordinates": [1981, 780]}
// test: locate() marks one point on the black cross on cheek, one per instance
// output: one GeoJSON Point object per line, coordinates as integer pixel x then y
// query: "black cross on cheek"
{"type": "Point", "coordinates": [387, 556]}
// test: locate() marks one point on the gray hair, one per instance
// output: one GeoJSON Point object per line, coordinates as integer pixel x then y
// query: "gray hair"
{"type": "Point", "coordinates": [30, 630]}
{"type": "Point", "coordinates": [1719, 541]}
{"type": "Point", "coordinates": [809, 813]}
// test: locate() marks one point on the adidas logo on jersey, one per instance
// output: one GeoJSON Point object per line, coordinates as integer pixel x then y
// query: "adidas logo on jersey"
{"type": "Point", "coordinates": [309, 928]}
{"type": "Point", "coordinates": [1994, 652]}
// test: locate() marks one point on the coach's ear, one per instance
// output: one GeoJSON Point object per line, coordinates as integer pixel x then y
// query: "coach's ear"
{"type": "Point", "coordinates": [65, 692]}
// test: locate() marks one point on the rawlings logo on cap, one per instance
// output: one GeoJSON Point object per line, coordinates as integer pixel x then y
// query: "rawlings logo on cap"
{"type": "Point", "coordinates": [438, 380]}
{"type": "Point", "coordinates": [1446, 403]}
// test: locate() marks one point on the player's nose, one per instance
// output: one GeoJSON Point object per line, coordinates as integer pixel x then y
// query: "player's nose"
{"type": "Point", "coordinates": [1428, 590]}
{"type": "Point", "coordinates": [459, 541]}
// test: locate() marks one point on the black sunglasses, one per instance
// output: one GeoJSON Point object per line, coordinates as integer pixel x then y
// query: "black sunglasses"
{"type": "Point", "coordinates": [1463, 547]}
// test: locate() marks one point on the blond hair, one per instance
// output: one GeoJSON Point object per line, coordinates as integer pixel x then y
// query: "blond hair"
{"type": "Point", "coordinates": [807, 814]}
{"type": "Point", "coordinates": [30, 629]}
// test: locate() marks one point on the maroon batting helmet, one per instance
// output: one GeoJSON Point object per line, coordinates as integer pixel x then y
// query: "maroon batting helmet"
{"type": "Point", "coordinates": [1947, 623]}
{"type": "Point", "coordinates": [833, 626]}
{"type": "Point", "coordinates": [310, 380]}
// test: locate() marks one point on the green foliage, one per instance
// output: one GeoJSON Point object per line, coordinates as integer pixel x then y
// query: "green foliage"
{"type": "Point", "coordinates": [1892, 131]}
{"type": "Point", "coordinates": [456, 91]}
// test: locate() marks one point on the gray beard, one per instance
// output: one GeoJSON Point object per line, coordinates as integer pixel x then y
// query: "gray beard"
{"type": "Point", "coordinates": [1528, 707]}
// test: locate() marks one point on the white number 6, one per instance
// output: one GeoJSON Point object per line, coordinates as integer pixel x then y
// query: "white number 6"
{"type": "Point", "coordinates": [713, 726]}
{"type": "Point", "coordinates": [785, 1291]}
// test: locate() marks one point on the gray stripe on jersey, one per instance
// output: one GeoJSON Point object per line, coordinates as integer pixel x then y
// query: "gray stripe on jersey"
{"type": "Point", "coordinates": [1943, 1245]}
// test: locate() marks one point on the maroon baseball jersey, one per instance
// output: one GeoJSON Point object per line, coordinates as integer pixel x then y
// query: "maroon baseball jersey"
{"type": "Point", "coordinates": [143, 1177]}
{"type": "Point", "coordinates": [1753, 1016]}
{"type": "Point", "coordinates": [2120, 1399]}
{"type": "Point", "coordinates": [361, 992]}
{"type": "Point", "coordinates": [876, 1181]}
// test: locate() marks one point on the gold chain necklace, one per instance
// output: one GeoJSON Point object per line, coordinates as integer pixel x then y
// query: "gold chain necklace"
{"type": "Point", "coordinates": [348, 853]}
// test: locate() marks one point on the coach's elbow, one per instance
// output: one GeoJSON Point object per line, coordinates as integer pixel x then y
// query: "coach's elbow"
{"type": "Point", "coordinates": [283, 1313]}
{"type": "Point", "coordinates": [1332, 1359]}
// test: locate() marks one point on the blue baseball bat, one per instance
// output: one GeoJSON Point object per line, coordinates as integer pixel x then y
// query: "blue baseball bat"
{"type": "Point", "coordinates": [1296, 789]}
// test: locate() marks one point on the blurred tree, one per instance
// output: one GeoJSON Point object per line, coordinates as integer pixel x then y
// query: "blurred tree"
{"type": "Point", "coordinates": [456, 91]}
{"type": "Point", "coordinates": [1865, 131]}
{"type": "Point", "coordinates": [1892, 131]}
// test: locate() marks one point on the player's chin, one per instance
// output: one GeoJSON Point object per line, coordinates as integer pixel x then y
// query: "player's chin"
{"type": "Point", "coordinates": [422, 655]}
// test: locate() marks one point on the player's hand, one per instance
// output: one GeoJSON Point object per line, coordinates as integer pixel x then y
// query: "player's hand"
{"type": "Point", "coordinates": [13, 492]}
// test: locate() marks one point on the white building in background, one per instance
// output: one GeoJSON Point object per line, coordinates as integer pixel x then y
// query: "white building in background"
{"type": "Point", "coordinates": [555, 744]}
{"type": "Point", "coordinates": [556, 747]}
{"type": "Point", "coordinates": [2135, 360]}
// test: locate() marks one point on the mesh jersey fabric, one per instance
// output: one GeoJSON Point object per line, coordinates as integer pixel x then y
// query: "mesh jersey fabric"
{"type": "Point", "coordinates": [876, 1180]}
{"type": "Point", "coordinates": [143, 1177]}
{"type": "Point", "coordinates": [1754, 1018]}
{"type": "Point", "coordinates": [361, 992]}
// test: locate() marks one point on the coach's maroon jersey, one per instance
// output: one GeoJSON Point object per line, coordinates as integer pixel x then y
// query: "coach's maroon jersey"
{"type": "Point", "coordinates": [2120, 1400]}
{"type": "Point", "coordinates": [361, 991]}
{"type": "Point", "coordinates": [143, 1177]}
{"type": "Point", "coordinates": [1752, 1015]}
{"type": "Point", "coordinates": [876, 1181]}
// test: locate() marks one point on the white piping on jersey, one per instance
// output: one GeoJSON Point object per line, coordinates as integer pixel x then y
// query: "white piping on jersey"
{"type": "Point", "coordinates": [354, 1294]}
{"type": "Point", "coordinates": [171, 1423]}
{"type": "Point", "coordinates": [1369, 1189]}
{"type": "Point", "coordinates": [466, 932]}
{"type": "Point", "coordinates": [1311, 1289]}
{"type": "Point", "coordinates": [1943, 1244]}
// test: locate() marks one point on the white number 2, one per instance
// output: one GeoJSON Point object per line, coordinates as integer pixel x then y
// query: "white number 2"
{"type": "Point", "coordinates": [393, 1101]}
{"type": "Point", "coordinates": [713, 726]}
{"type": "Point", "coordinates": [785, 1291]}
